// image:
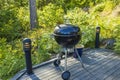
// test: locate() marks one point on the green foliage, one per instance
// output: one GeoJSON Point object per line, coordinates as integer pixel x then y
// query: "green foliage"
{"type": "Point", "coordinates": [50, 16]}
{"type": "Point", "coordinates": [117, 45]}
{"type": "Point", "coordinates": [99, 7]}
{"type": "Point", "coordinates": [23, 18]}
{"type": "Point", "coordinates": [11, 60]}
{"type": "Point", "coordinates": [13, 22]}
{"type": "Point", "coordinates": [7, 18]}
{"type": "Point", "coordinates": [117, 35]}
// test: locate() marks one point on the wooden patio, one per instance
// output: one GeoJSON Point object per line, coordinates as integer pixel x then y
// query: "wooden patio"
{"type": "Point", "coordinates": [100, 64]}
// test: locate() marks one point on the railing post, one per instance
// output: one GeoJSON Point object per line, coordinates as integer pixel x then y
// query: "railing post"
{"type": "Point", "coordinates": [27, 50]}
{"type": "Point", "coordinates": [97, 40]}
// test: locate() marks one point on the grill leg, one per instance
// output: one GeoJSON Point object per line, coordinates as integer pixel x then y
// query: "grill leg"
{"type": "Point", "coordinates": [79, 57]}
{"type": "Point", "coordinates": [66, 58]}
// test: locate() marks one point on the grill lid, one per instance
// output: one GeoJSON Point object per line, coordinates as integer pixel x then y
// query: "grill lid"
{"type": "Point", "coordinates": [66, 29]}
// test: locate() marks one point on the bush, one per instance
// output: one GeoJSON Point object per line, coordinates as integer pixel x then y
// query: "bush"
{"type": "Point", "coordinates": [117, 45]}
{"type": "Point", "coordinates": [13, 22]}
{"type": "Point", "coordinates": [117, 37]}
{"type": "Point", "coordinates": [50, 16]}
{"type": "Point", "coordinates": [11, 59]}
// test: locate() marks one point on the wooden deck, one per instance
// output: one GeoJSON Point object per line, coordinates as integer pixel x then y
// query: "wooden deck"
{"type": "Point", "coordinates": [101, 64]}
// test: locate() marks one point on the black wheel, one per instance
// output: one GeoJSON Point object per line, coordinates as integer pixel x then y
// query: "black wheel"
{"type": "Point", "coordinates": [56, 63]}
{"type": "Point", "coordinates": [66, 75]}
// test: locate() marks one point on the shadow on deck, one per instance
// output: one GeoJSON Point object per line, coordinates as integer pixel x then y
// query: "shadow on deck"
{"type": "Point", "coordinates": [101, 64]}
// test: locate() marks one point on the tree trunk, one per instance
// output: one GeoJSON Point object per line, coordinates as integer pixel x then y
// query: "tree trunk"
{"type": "Point", "coordinates": [33, 14]}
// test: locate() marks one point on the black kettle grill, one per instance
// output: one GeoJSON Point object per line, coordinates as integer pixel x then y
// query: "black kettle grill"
{"type": "Point", "coordinates": [67, 36]}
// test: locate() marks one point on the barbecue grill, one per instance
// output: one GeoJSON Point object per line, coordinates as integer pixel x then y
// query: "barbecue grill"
{"type": "Point", "coordinates": [67, 36]}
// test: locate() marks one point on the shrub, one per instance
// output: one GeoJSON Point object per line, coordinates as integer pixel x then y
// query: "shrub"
{"type": "Point", "coordinates": [50, 16]}
{"type": "Point", "coordinates": [117, 37]}
{"type": "Point", "coordinates": [11, 59]}
{"type": "Point", "coordinates": [117, 45]}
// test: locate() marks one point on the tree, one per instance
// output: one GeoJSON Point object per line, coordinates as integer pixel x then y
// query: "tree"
{"type": "Point", "coordinates": [33, 14]}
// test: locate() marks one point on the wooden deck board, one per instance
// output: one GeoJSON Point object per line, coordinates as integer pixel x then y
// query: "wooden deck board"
{"type": "Point", "coordinates": [93, 69]}
{"type": "Point", "coordinates": [103, 65]}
